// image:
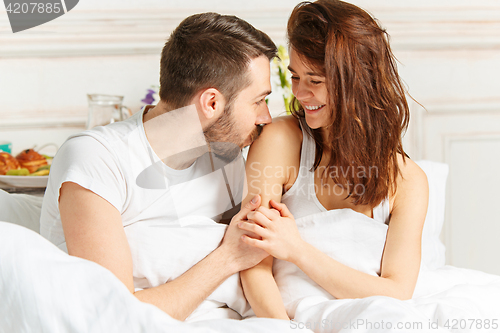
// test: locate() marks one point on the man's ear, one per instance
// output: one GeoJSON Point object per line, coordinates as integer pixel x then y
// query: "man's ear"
{"type": "Point", "coordinates": [212, 103]}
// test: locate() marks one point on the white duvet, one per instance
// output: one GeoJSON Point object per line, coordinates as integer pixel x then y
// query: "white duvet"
{"type": "Point", "coordinates": [445, 299]}
{"type": "Point", "coordinates": [448, 299]}
{"type": "Point", "coordinates": [42, 289]}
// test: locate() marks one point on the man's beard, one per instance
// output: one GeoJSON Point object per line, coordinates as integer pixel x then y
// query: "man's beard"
{"type": "Point", "coordinates": [223, 135]}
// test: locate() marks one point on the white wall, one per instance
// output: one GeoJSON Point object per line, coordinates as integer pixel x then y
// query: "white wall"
{"type": "Point", "coordinates": [109, 47]}
{"type": "Point", "coordinates": [449, 52]}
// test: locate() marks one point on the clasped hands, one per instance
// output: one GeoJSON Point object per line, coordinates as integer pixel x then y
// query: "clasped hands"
{"type": "Point", "coordinates": [256, 232]}
{"type": "Point", "coordinates": [272, 230]}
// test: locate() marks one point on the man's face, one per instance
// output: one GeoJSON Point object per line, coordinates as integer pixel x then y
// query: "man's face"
{"type": "Point", "coordinates": [239, 124]}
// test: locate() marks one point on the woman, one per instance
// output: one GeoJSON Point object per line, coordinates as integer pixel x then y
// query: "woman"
{"type": "Point", "coordinates": [349, 113]}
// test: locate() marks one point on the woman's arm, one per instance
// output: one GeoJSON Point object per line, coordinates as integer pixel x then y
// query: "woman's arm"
{"type": "Point", "coordinates": [269, 158]}
{"type": "Point", "coordinates": [262, 292]}
{"type": "Point", "coordinates": [400, 260]}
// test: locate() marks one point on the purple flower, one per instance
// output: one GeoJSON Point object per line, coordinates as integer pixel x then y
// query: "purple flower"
{"type": "Point", "coordinates": [149, 99]}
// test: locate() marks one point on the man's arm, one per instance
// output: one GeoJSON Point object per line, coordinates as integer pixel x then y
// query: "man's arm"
{"type": "Point", "coordinates": [93, 230]}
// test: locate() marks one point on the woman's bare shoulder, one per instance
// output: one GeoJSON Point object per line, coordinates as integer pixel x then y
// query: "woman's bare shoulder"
{"type": "Point", "coordinates": [410, 171]}
{"type": "Point", "coordinates": [284, 128]}
{"type": "Point", "coordinates": [283, 133]}
{"type": "Point", "coordinates": [278, 145]}
{"type": "Point", "coordinates": [412, 181]}
{"type": "Point", "coordinates": [274, 158]}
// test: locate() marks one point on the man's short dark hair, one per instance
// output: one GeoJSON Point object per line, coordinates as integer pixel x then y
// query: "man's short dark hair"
{"type": "Point", "coordinates": [210, 50]}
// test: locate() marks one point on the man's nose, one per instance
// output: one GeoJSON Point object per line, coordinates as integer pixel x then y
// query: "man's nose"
{"type": "Point", "coordinates": [264, 117]}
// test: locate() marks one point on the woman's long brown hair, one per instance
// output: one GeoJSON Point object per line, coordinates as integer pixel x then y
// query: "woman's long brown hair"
{"type": "Point", "coordinates": [366, 98]}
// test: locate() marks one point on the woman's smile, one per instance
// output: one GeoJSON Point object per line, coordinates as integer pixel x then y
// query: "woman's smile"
{"type": "Point", "coordinates": [313, 109]}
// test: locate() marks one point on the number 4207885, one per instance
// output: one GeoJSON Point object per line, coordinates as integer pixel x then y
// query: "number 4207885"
{"type": "Point", "coordinates": [34, 7]}
{"type": "Point", "coordinates": [477, 324]}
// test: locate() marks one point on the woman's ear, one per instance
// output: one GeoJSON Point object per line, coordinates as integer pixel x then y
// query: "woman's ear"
{"type": "Point", "coordinates": [212, 103]}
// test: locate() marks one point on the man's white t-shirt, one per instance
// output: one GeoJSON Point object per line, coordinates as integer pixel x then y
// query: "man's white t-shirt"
{"type": "Point", "coordinates": [162, 209]}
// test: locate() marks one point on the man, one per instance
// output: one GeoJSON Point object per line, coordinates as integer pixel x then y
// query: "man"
{"type": "Point", "coordinates": [169, 163]}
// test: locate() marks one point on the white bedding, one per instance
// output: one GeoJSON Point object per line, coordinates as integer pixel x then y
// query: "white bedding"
{"type": "Point", "coordinates": [43, 289]}
{"type": "Point", "coordinates": [448, 299]}
{"type": "Point", "coordinates": [163, 252]}
{"type": "Point", "coordinates": [349, 237]}
{"type": "Point", "coordinates": [443, 297]}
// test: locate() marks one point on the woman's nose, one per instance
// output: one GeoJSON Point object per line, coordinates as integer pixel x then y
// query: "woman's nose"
{"type": "Point", "coordinates": [301, 91]}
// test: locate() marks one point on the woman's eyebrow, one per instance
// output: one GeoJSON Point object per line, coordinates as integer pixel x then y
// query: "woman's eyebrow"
{"type": "Point", "coordinates": [308, 73]}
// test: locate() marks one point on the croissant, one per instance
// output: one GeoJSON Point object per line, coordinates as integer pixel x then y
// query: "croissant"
{"type": "Point", "coordinates": [31, 160]}
{"type": "Point", "coordinates": [7, 162]}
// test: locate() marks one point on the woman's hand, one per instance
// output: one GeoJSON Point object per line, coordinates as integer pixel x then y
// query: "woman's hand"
{"type": "Point", "coordinates": [277, 229]}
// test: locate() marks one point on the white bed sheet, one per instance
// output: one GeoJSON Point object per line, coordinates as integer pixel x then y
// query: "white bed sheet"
{"type": "Point", "coordinates": [448, 299]}
{"type": "Point", "coordinates": [444, 298]}
{"type": "Point", "coordinates": [42, 289]}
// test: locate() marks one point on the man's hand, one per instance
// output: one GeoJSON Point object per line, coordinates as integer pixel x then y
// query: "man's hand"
{"type": "Point", "coordinates": [242, 255]}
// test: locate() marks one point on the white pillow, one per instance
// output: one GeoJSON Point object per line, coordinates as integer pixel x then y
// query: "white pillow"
{"type": "Point", "coordinates": [433, 250]}
{"type": "Point", "coordinates": [21, 209]}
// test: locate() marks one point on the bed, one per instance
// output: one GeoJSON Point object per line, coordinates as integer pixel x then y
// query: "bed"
{"type": "Point", "coordinates": [44, 290]}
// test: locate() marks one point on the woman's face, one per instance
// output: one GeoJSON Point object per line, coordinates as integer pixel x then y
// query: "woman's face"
{"type": "Point", "coordinates": [309, 87]}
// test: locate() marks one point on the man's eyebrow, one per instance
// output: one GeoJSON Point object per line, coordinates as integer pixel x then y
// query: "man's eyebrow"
{"type": "Point", "coordinates": [265, 93]}
{"type": "Point", "coordinates": [308, 73]}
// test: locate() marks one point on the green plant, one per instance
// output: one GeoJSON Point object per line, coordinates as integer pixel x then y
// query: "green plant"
{"type": "Point", "coordinates": [280, 68]}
